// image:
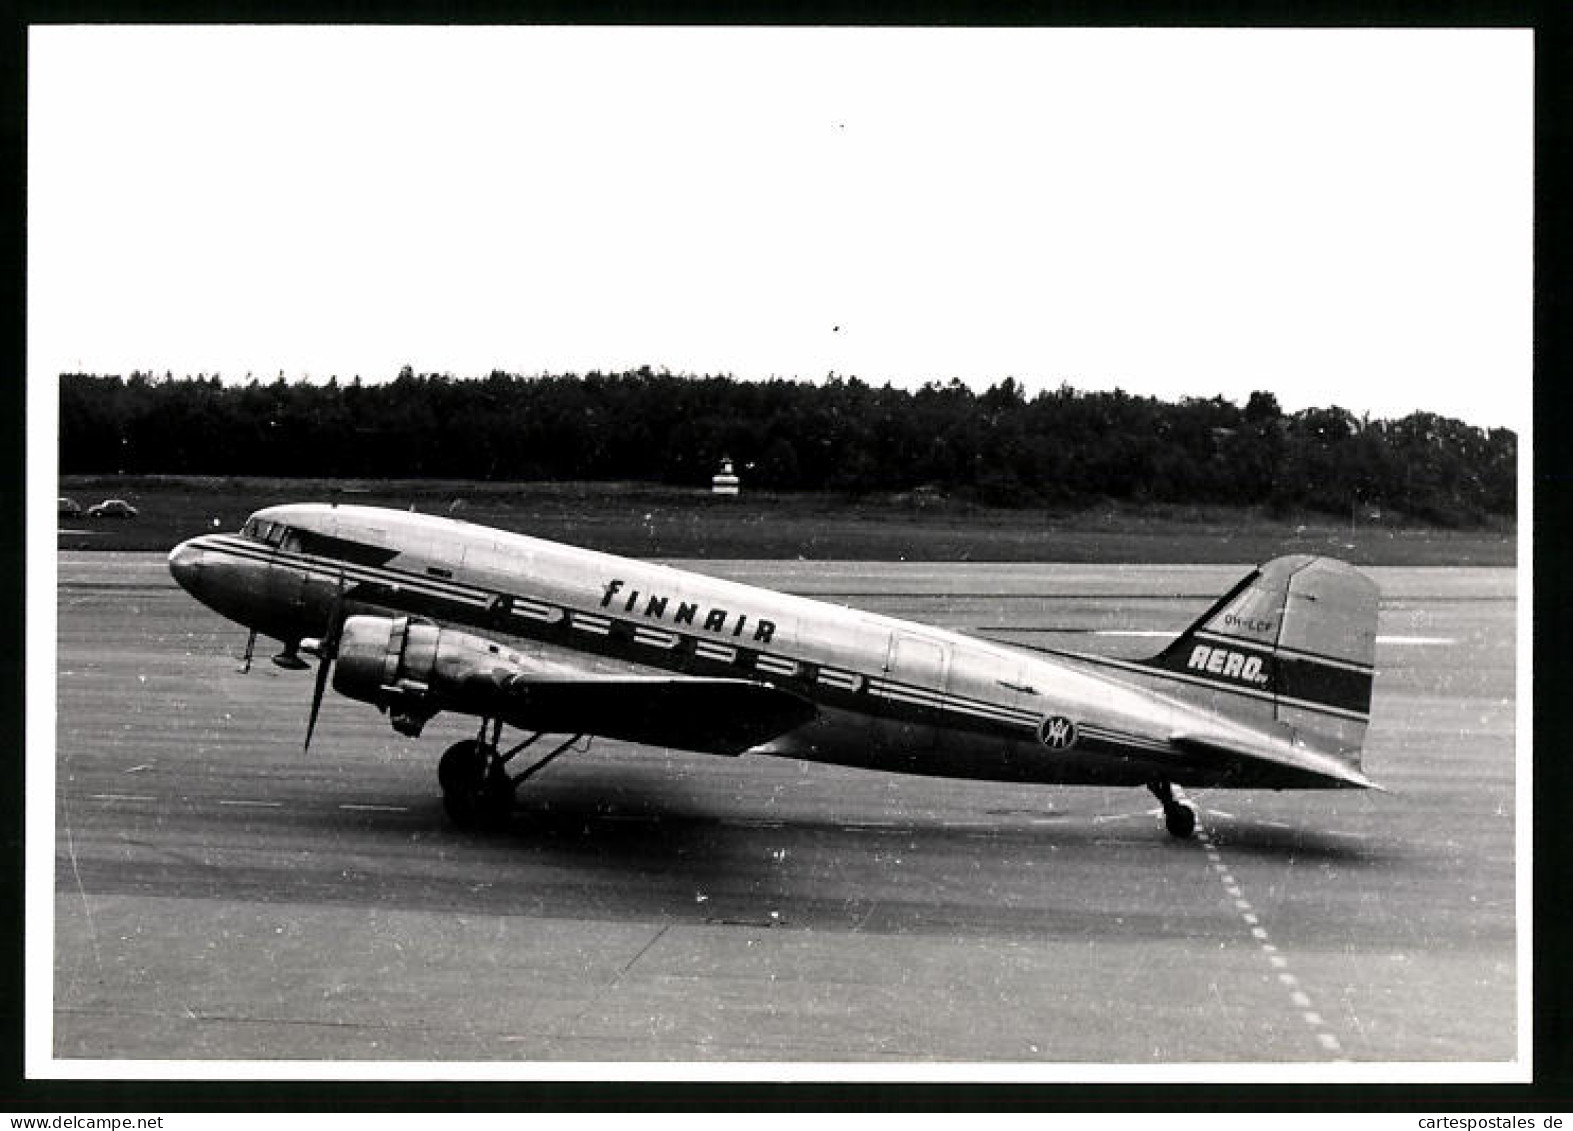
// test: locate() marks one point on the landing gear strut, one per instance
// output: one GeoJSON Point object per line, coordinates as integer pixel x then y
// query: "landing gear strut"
{"type": "Point", "coordinates": [1179, 816]}
{"type": "Point", "coordinates": [477, 789]}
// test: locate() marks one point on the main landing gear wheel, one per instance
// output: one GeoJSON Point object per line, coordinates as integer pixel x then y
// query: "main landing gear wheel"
{"type": "Point", "coordinates": [476, 789]}
{"type": "Point", "coordinates": [1179, 816]}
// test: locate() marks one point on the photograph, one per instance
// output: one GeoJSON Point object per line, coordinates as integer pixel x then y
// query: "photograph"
{"type": "Point", "coordinates": [858, 554]}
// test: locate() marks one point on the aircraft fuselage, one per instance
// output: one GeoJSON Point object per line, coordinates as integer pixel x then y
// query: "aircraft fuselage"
{"type": "Point", "coordinates": [889, 694]}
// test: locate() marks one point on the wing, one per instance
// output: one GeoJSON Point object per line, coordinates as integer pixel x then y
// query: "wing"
{"type": "Point", "coordinates": [715, 716]}
{"type": "Point", "coordinates": [416, 669]}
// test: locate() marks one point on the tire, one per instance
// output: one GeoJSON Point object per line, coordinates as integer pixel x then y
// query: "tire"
{"type": "Point", "coordinates": [463, 766]}
{"type": "Point", "coordinates": [476, 793]}
{"type": "Point", "coordinates": [1180, 820]}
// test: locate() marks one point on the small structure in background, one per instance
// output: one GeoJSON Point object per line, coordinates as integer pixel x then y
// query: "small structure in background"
{"type": "Point", "coordinates": [724, 482]}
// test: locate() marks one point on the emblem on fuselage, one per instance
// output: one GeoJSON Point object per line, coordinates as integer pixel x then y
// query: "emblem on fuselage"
{"type": "Point", "coordinates": [1057, 732]}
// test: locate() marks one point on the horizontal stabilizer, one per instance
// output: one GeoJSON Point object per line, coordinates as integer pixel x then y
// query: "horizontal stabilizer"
{"type": "Point", "coordinates": [1273, 766]}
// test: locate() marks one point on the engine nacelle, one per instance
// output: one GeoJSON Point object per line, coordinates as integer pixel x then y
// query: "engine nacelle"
{"type": "Point", "coordinates": [414, 669]}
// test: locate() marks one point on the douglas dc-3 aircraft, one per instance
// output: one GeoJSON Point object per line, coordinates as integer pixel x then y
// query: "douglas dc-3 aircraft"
{"type": "Point", "coordinates": [1271, 688]}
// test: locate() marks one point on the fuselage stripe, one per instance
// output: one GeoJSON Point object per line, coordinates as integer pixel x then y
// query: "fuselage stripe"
{"type": "Point", "coordinates": [1280, 650]}
{"type": "Point", "coordinates": [1150, 672]}
{"type": "Point", "coordinates": [776, 665]}
{"type": "Point", "coordinates": [331, 570]}
{"type": "Point", "coordinates": [1123, 739]}
{"type": "Point", "coordinates": [524, 607]}
{"type": "Point", "coordinates": [996, 715]}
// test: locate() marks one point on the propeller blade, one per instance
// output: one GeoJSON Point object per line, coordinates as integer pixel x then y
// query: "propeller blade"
{"type": "Point", "coordinates": [251, 643]}
{"type": "Point", "coordinates": [323, 667]}
{"type": "Point", "coordinates": [327, 649]}
{"type": "Point", "coordinates": [330, 639]}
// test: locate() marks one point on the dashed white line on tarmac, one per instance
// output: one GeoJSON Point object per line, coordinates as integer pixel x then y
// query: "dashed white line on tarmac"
{"type": "Point", "coordinates": [377, 808]}
{"type": "Point", "coordinates": [123, 797]}
{"type": "Point", "coordinates": [1297, 996]}
{"type": "Point", "coordinates": [253, 804]}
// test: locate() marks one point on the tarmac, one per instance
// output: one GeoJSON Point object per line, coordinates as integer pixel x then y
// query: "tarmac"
{"type": "Point", "coordinates": [221, 897]}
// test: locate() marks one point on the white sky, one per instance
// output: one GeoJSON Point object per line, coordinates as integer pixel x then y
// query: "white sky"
{"type": "Point", "coordinates": [1342, 217]}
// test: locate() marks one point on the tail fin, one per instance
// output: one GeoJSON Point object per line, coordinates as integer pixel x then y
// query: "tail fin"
{"type": "Point", "coordinates": [1292, 644]}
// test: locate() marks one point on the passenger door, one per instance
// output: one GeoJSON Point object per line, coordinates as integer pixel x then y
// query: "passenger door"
{"type": "Point", "coordinates": [919, 662]}
{"type": "Point", "coordinates": [917, 671]}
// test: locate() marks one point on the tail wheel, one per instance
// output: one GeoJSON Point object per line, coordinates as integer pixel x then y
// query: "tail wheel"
{"type": "Point", "coordinates": [1180, 819]}
{"type": "Point", "coordinates": [1179, 815]}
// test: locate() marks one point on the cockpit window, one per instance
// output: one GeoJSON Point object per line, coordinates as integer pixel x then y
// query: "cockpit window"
{"type": "Point", "coordinates": [273, 533]}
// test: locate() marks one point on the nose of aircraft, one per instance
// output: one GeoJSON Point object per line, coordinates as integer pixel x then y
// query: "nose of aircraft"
{"type": "Point", "coordinates": [185, 561]}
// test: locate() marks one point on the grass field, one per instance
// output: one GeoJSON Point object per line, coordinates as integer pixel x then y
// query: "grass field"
{"type": "Point", "coordinates": [649, 520]}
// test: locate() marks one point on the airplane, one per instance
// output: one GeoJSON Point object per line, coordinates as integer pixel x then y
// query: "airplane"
{"type": "Point", "coordinates": [417, 614]}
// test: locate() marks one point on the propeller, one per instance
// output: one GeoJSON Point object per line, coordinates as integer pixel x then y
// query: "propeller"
{"type": "Point", "coordinates": [327, 648]}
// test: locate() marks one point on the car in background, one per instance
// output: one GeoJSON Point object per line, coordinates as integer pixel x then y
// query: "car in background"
{"type": "Point", "coordinates": [112, 508]}
{"type": "Point", "coordinates": [67, 508]}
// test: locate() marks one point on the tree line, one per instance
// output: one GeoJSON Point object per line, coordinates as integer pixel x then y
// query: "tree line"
{"type": "Point", "coordinates": [1061, 447]}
